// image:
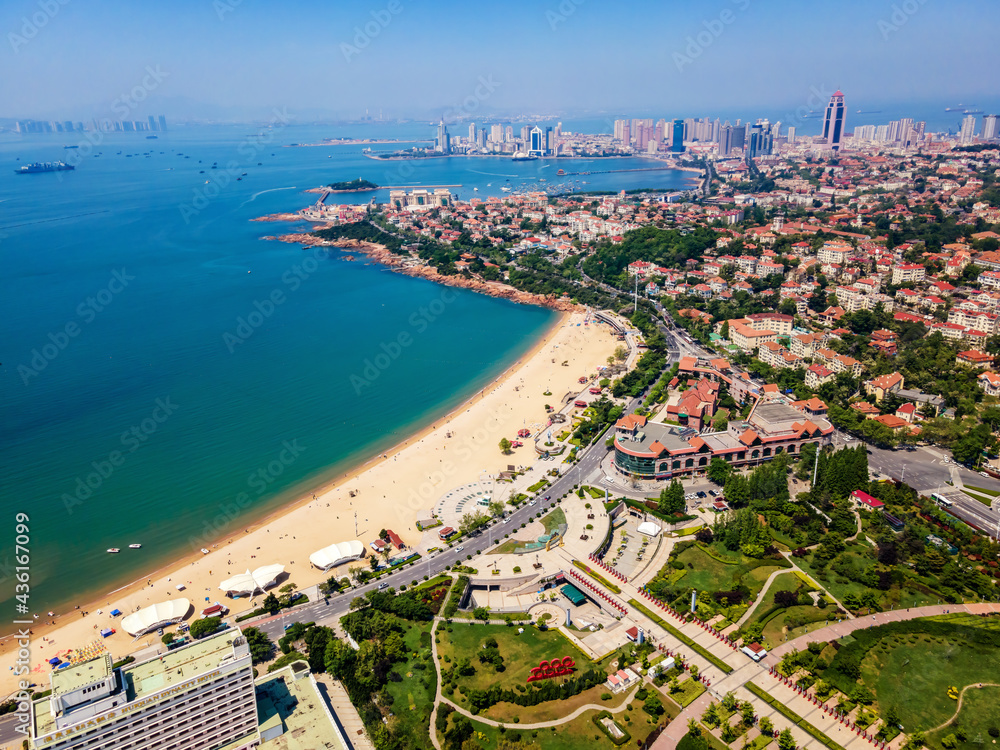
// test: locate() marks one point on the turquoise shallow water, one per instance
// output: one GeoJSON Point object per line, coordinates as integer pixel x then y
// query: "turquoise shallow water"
{"type": "Point", "coordinates": [167, 375]}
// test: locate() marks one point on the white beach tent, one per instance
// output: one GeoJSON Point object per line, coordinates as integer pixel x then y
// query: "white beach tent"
{"type": "Point", "coordinates": [155, 616]}
{"type": "Point", "coordinates": [649, 528]}
{"type": "Point", "coordinates": [337, 554]}
{"type": "Point", "coordinates": [248, 583]}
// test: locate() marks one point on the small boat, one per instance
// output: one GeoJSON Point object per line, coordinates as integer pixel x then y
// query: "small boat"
{"type": "Point", "coordinates": [114, 550]}
{"type": "Point", "coordinates": [135, 546]}
{"type": "Point", "coordinates": [204, 551]}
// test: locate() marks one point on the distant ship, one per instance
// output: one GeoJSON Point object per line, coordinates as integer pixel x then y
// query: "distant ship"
{"type": "Point", "coordinates": [973, 112]}
{"type": "Point", "coordinates": [71, 147]}
{"type": "Point", "coordinates": [43, 166]}
{"type": "Point", "coordinates": [152, 137]}
{"type": "Point", "coordinates": [521, 156]}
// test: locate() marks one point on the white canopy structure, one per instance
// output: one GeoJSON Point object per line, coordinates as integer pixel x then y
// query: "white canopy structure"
{"type": "Point", "coordinates": [155, 616]}
{"type": "Point", "coordinates": [249, 583]}
{"type": "Point", "coordinates": [649, 528]}
{"type": "Point", "coordinates": [337, 554]}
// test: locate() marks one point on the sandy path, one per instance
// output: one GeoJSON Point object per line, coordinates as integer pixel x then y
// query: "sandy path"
{"type": "Point", "coordinates": [389, 493]}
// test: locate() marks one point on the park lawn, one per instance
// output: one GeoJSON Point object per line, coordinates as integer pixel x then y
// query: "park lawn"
{"type": "Point", "coordinates": [575, 734]}
{"type": "Point", "coordinates": [520, 653]}
{"type": "Point", "coordinates": [805, 615]}
{"type": "Point", "coordinates": [837, 586]}
{"type": "Point", "coordinates": [413, 697]}
{"type": "Point", "coordinates": [553, 520]}
{"type": "Point", "coordinates": [688, 692]}
{"type": "Point", "coordinates": [922, 671]}
{"type": "Point", "coordinates": [551, 710]}
{"type": "Point", "coordinates": [784, 582]}
{"type": "Point", "coordinates": [709, 574]}
{"type": "Point", "coordinates": [980, 712]}
{"type": "Point", "coordinates": [983, 490]}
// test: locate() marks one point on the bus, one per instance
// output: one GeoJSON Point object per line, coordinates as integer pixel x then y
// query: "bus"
{"type": "Point", "coordinates": [942, 500]}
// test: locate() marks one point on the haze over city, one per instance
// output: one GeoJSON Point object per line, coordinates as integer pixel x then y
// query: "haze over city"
{"type": "Point", "coordinates": [545, 375]}
{"type": "Point", "coordinates": [230, 60]}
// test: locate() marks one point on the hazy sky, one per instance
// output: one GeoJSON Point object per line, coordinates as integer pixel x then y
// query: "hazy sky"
{"type": "Point", "coordinates": [234, 58]}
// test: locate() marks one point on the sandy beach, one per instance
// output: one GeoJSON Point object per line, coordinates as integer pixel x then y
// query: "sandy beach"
{"type": "Point", "coordinates": [390, 491]}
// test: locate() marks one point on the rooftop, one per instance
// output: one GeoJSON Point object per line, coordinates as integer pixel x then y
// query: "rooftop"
{"type": "Point", "coordinates": [292, 714]}
{"type": "Point", "coordinates": [75, 677]}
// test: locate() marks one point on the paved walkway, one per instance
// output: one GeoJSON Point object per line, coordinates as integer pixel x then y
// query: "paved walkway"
{"type": "Point", "coordinates": [758, 672]}
{"type": "Point", "coordinates": [846, 627]}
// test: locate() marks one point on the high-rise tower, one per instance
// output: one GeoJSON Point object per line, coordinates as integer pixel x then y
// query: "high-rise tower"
{"type": "Point", "coordinates": [833, 122]}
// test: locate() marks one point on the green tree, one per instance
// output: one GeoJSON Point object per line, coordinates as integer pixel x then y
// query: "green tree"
{"type": "Point", "coordinates": [766, 726]}
{"type": "Point", "coordinates": [481, 613]}
{"type": "Point", "coordinates": [261, 647]}
{"type": "Point", "coordinates": [271, 603]}
{"type": "Point", "coordinates": [711, 715]}
{"type": "Point", "coordinates": [652, 705]}
{"type": "Point", "coordinates": [719, 471]}
{"type": "Point", "coordinates": [672, 498]}
{"type": "Point", "coordinates": [504, 446]}
{"type": "Point", "coordinates": [785, 740]}
{"type": "Point", "coordinates": [205, 626]}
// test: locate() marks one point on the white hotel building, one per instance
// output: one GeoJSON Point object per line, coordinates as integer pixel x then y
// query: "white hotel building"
{"type": "Point", "coordinates": [197, 697]}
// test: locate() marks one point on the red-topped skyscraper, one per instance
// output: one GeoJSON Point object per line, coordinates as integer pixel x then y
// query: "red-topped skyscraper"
{"type": "Point", "coordinates": [833, 122]}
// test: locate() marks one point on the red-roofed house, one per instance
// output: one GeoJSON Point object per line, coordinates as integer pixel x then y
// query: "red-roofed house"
{"type": "Point", "coordinates": [974, 359]}
{"type": "Point", "coordinates": [883, 385]}
{"type": "Point", "coordinates": [866, 501]}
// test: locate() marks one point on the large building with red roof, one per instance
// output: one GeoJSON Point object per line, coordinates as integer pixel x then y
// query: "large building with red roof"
{"type": "Point", "coordinates": [651, 450]}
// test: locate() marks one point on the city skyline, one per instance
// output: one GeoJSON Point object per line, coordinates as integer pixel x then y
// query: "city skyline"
{"type": "Point", "coordinates": [351, 58]}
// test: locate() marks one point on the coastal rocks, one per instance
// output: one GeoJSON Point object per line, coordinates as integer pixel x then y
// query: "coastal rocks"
{"type": "Point", "coordinates": [412, 267]}
{"type": "Point", "coordinates": [279, 217]}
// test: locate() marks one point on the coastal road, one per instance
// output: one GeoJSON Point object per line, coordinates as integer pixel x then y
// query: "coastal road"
{"type": "Point", "coordinates": [328, 612]}
{"type": "Point", "coordinates": [928, 470]}
{"type": "Point", "coordinates": [8, 736]}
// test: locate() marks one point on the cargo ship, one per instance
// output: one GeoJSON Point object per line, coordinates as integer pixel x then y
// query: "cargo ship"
{"type": "Point", "coordinates": [44, 166]}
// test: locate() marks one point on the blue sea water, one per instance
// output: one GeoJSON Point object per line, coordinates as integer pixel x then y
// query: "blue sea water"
{"type": "Point", "coordinates": [168, 376]}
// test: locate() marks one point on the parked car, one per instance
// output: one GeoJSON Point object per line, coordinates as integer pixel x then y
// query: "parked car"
{"type": "Point", "coordinates": [702, 495]}
{"type": "Point", "coordinates": [713, 493]}
{"type": "Point", "coordinates": [383, 585]}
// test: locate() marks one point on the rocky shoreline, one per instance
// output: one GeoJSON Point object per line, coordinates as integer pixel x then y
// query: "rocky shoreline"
{"type": "Point", "coordinates": [381, 254]}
